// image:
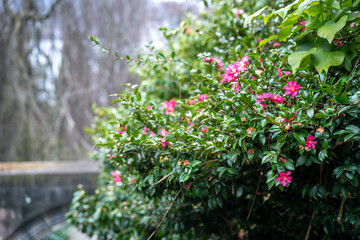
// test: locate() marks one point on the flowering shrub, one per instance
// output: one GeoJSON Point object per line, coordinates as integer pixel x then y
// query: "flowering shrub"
{"type": "Point", "coordinates": [266, 147]}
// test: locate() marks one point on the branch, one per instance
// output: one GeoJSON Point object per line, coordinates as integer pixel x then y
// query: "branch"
{"type": "Point", "coordinates": [309, 227]}
{"type": "Point", "coordinates": [158, 226]}
{"type": "Point", "coordinates": [43, 17]}
{"type": "Point", "coordinates": [162, 179]}
{"type": "Point", "coordinates": [257, 189]}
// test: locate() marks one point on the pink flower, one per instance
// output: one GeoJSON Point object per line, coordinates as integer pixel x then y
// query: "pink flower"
{"type": "Point", "coordinates": [292, 88]}
{"type": "Point", "coordinates": [265, 96]}
{"type": "Point", "coordinates": [259, 40]}
{"type": "Point", "coordinates": [149, 107]}
{"type": "Point", "coordinates": [152, 133]}
{"type": "Point", "coordinates": [189, 122]}
{"type": "Point", "coordinates": [253, 78]}
{"type": "Point", "coordinates": [116, 176]}
{"type": "Point", "coordinates": [227, 78]}
{"type": "Point", "coordinates": [310, 143]}
{"type": "Point", "coordinates": [245, 60]}
{"type": "Point", "coordinates": [203, 129]}
{"type": "Point", "coordinates": [239, 12]}
{"type": "Point", "coordinates": [252, 91]}
{"type": "Point", "coordinates": [352, 24]}
{"type": "Point", "coordinates": [232, 70]}
{"type": "Point", "coordinates": [203, 97]}
{"type": "Point", "coordinates": [291, 119]}
{"type": "Point", "coordinates": [236, 86]}
{"type": "Point", "coordinates": [164, 143]}
{"type": "Point", "coordinates": [163, 132]}
{"type": "Point", "coordinates": [286, 72]}
{"type": "Point", "coordinates": [284, 178]}
{"type": "Point", "coordinates": [145, 130]}
{"type": "Point", "coordinates": [169, 105]}
{"type": "Point", "coordinates": [277, 99]}
{"type": "Point", "coordinates": [303, 23]}
{"type": "Point", "coordinates": [220, 64]}
{"type": "Point", "coordinates": [190, 102]}
{"type": "Point", "coordinates": [276, 44]}
{"type": "Point", "coordinates": [122, 130]}
{"type": "Point", "coordinates": [209, 59]}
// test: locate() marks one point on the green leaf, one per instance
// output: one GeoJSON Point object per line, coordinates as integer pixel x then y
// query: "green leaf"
{"type": "Point", "coordinates": [267, 40]}
{"type": "Point", "coordinates": [284, 33]}
{"type": "Point", "coordinates": [354, 182]}
{"type": "Point", "coordinates": [313, 191]}
{"type": "Point", "coordinates": [299, 138]}
{"type": "Point", "coordinates": [303, 6]}
{"type": "Point", "coordinates": [239, 192]}
{"type": "Point", "coordinates": [324, 59]}
{"type": "Point", "coordinates": [289, 165]}
{"type": "Point", "coordinates": [183, 177]}
{"type": "Point", "coordinates": [250, 18]}
{"type": "Point", "coordinates": [212, 203]}
{"type": "Point", "coordinates": [262, 139]}
{"type": "Point", "coordinates": [353, 128]}
{"type": "Point", "coordinates": [342, 99]}
{"type": "Point", "coordinates": [338, 171]}
{"type": "Point", "coordinates": [310, 112]}
{"type": "Point", "coordinates": [330, 28]}
{"type": "Point", "coordinates": [296, 58]}
{"type": "Point", "coordinates": [301, 160]}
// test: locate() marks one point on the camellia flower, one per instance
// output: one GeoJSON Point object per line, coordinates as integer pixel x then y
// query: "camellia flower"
{"type": "Point", "coordinates": [209, 59]}
{"type": "Point", "coordinates": [265, 96]}
{"type": "Point", "coordinates": [203, 97]}
{"type": "Point", "coordinates": [122, 130]}
{"type": "Point", "coordinates": [116, 176]}
{"type": "Point", "coordinates": [190, 102]}
{"type": "Point", "coordinates": [302, 23]}
{"type": "Point", "coordinates": [281, 73]}
{"type": "Point", "coordinates": [145, 130]}
{"type": "Point", "coordinates": [203, 129]}
{"type": "Point", "coordinates": [276, 44]}
{"type": "Point", "coordinates": [291, 119]}
{"type": "Point", "coordinates": [233, 70]}
{"type": "Point", "coordinates": [310, 143]}
{"type": "Point", "coordinates": [284, 178]}
{"type": "Point", "coordinates": [236, 86]}
{"type": "Point", "coordinates": [239, 12]}
{"type": "Point", "coordinates": [292, 88]}
{"type": "Point", "coordinates": [277, 99]}
{"type": "Point", "coordinates": [220, 64]}
{"type": "Point", "coordinates": [152, 133]}
{"type": "Point", "coordinates": [149, 107]}
{"type": "Point", "coordinates": [169, 105]}
{"type": "Point", "coordinates": [163, 132]}
{"type": "Point", "coordinates": [164, 143]}
{"type": "Point", "coordinates": [245, 60]}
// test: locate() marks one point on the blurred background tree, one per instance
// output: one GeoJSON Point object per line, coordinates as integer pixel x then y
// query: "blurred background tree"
{"type": "Point", "coordinates": [51, 75]}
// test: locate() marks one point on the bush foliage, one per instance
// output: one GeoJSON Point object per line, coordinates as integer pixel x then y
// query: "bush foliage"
{"type": "Point", "coordinates": [248, 127]}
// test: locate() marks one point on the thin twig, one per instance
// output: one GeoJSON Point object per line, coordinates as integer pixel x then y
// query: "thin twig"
{"type": "Point", "coordinates": [252, 205]}
{"type": "Point", "coordinates": [341, 211]}
{"type": "Point", "coordinates": [309, 227]}
{"type": "Point", "coordinates": [158, 226]}
{"type": "Point", "coordinates": [165, 177]}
